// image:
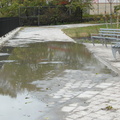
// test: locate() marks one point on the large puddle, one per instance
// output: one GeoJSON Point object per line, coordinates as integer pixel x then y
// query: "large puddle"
{"type": "Point", "coordinates": [30, 74]}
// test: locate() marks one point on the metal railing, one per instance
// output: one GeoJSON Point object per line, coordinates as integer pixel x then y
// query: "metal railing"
{"type": "Point", "coordinates": [8, 24]}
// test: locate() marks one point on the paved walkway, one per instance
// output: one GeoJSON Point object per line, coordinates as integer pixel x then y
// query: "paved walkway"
{"type": "Point", "coordinates": [101, 101]}
{"type": "Point", "coordinates": [104, 54]}
{"type": "Point", "coordinates": [85, 99]}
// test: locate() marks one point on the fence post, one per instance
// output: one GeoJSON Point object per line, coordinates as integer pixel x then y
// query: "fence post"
{"type": "Point", "coordinates": [38, 16]}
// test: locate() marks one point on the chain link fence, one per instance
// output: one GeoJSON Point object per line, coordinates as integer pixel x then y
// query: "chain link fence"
{"type": "Point", "coordinates": [48, 15]}
{"type": "Point", "coordinates": [8, 24]}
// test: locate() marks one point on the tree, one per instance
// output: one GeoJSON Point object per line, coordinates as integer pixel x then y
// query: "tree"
{"type": "Point", "coordinates": [117, 11]}
{"type": "Point", "coordinates": [8, 8]}
{"type": "Point", "coordinates": [82, 4]}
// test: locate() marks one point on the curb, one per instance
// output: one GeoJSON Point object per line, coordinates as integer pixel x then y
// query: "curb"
{"type": "Point", "coordinates": [106, 62]}
{"type": "Point", "coordinates": [8, 36]}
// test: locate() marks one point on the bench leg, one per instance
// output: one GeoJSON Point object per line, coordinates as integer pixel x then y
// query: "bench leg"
{"type": "Point", "coordinates": [119, 52]}
{"type": "Point", "coordinates": [102, 41]}
{"type": "Point", "coordinates": [105, 41]}
{"type": "Point", "coordinates": [93, 41]}
{"type": "Point", "coordinates": [114, 52]}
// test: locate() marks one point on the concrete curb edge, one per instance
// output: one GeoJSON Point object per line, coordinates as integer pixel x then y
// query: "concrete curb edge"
{"type": "Point", "coordinates": [9, 36]}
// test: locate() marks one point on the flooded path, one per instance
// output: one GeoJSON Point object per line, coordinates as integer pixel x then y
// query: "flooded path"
{"type": "Point", "coordinates": [46, 80]}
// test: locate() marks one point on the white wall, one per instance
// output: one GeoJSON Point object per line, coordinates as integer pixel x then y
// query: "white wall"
{"type": "Point", "coordinates": [106, 1]}
{"type": "Point", "coordinates": [103, 6]}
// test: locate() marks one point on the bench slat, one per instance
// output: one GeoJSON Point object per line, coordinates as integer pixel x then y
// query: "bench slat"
{"type": "Point", "coordinates": [109, 29]}
{"type": "Point", "coordinates": [106, 34]}
{"type": "Point", "coordinates": [109, 32]}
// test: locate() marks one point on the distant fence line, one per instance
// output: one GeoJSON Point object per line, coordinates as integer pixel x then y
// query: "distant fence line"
{"type": "Point", "coordinates": [42, 15]}
{"type": "Point", "coordinates": [48, 15]}
{"type": "Point", "coordinates": [8, 24]}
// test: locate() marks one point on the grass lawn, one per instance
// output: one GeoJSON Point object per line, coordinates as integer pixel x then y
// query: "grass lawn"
{"type": "Point", "coordinates": [81, 32]}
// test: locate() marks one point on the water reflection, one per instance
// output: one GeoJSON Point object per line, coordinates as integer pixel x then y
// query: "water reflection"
{"type": "Point", "coordinates": [42, 61]}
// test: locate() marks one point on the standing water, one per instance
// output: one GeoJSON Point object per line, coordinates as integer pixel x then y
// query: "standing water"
{"type": "Point", "coordinates": [38, 79]}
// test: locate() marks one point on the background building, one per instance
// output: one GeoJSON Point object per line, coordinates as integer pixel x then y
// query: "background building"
{"type": "Point", "coordinates": [104, 6]}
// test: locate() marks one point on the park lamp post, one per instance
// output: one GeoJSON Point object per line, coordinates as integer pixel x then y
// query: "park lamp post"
{"type": "Point", "coordinates": [111, 1]}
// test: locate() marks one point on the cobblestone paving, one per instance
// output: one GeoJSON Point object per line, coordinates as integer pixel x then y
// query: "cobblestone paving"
{"type": "Point", "coordinates": [88, 97]}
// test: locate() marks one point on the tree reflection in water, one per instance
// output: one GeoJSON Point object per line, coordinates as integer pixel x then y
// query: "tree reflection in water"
{"type": "Point", "coordinates": [40, 61]}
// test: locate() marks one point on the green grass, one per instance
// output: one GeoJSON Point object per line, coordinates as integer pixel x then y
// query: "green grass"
{"type": "Point", "coordinates": [82, 32]}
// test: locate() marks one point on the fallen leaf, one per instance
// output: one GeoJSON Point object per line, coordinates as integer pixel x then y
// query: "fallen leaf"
{"type": "Point", "coordinates": [28, 102]}
{"type": "Point", "coordinates": [26, 97]}
{"type": "Point", "coordinates": [47, 118]}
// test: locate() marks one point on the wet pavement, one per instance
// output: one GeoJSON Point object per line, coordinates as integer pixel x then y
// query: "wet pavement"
{"type": "Point", "coordinates": [104, 54]}
{"type": "Point", "coordinates": [45, 75]}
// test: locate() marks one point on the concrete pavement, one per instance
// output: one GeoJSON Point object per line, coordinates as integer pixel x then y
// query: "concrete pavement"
{"type": "Point", "coordinates": [80, 100]}
{"type": "Point", "coordinates": [104, 54]}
